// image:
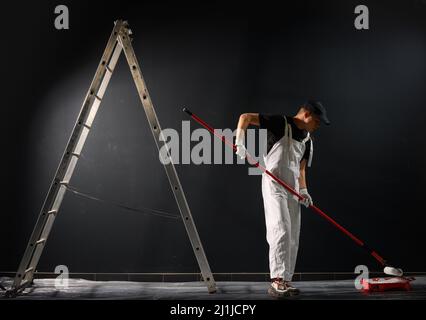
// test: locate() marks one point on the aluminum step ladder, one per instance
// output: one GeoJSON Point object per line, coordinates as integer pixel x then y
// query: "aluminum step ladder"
{"type": "Point", "coordinates": [120, 40]}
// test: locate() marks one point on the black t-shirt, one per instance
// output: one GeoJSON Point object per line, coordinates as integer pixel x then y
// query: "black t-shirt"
{"type": "Point", "coordinates": [275, 125]}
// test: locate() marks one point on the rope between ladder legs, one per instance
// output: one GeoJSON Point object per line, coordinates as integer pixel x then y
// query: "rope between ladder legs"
{"type": "Point", "coordinates": [154, 212]}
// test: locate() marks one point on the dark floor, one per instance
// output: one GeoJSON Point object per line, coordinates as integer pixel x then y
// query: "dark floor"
{"type": "Point", "coordinates": [313, 290]}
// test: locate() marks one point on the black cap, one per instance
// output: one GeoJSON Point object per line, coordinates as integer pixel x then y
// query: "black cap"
{"type": "Point", "coordinates": [319, 110]}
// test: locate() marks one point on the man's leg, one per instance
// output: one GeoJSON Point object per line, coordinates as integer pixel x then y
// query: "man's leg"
{"type": "Point", "coordinates": [295, 217]}
{"type": "Point", "coordinates": [278, 230]}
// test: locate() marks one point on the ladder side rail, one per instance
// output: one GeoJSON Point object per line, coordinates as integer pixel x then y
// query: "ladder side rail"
{"type": "Point", "coordinates": [57, 189]}
{"type": "Point", "coordinates": [170, 168]}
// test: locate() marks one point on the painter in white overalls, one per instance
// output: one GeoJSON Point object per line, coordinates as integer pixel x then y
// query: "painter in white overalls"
{"type": "Point", "coordinates": [282, 209]}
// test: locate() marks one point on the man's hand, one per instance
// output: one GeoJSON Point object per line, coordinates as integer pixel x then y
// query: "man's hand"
{"type": "Point", "coordinates": [239, 142]}
{"type": "Point", "coordinates": [307, 199]}
{"type": "Point", "coordinates": [241, 151]}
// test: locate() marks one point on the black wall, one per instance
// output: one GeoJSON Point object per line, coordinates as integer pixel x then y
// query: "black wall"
{"type": "Point", "coordinates": [220, 61]}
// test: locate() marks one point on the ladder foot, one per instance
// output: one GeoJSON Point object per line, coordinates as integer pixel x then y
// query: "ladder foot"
{"type": "Point", "coordinates": [11, 293]}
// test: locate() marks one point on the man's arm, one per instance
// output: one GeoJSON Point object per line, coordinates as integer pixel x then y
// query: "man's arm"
{"type": "Point", "coordinates": [303, 189]}
{"type": "Point", "coordinates": [302, 177]}
{"type": "Point", "coordinates": [245, 120]}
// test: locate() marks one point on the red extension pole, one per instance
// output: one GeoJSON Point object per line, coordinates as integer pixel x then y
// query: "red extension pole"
{"type": "Point", "coordinates": [290, 189]}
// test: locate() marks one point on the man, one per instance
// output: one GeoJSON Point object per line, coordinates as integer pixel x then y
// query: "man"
{"type": "Point", "coordinates": [289, 150]}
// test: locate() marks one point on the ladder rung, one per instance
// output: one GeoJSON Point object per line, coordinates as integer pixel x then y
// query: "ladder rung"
{"type": "Point", "coordinates": [41, 241]}
{"type": "Point", "coordinates": [75, 154]}
{"type": "Point", "coordinates": [98, 98]}
{"type": "Point", "coordinates": [63, 182]}
{"type": "Point", "coordinates": [28, 270]}
{"type": "Point", "coordinates": [53, 212]}
{"type": "Point", "coordinates": [109, 69]}
{"type": "Point", "coordinates": [87, 126]}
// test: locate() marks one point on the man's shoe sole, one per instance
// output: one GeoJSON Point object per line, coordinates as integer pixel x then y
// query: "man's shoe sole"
{"type": "Point", "coordinates": [280, 295]}
{"type": "Point", "coordinates": [294, 292]}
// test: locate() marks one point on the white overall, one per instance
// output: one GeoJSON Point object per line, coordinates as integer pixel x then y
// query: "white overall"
{"type": "Point", "coordinates": [282, 209]}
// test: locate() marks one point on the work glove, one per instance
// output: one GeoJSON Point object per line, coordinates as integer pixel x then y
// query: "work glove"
{"type": "Point", "coordinates": [307, 199]}
{"type": "Point", "coordinates": [239, 142]}
{"type": "Point", "coordinates": [241, 151]}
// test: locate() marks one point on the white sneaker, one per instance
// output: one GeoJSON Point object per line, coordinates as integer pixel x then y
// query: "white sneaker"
{"type": "Point", "coordinates": [293, 290]}
{"type": "Point", "coordinates": [279, 289]}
